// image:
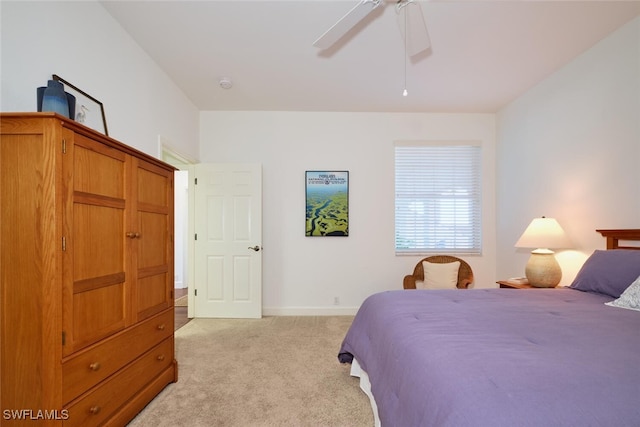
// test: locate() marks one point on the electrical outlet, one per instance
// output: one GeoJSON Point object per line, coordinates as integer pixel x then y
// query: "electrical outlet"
{"type": "Point", "coordinates": [336, 301]}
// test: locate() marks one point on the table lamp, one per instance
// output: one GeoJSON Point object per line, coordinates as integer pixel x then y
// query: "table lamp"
{"type": "Point", "coordinates": [542, 269]}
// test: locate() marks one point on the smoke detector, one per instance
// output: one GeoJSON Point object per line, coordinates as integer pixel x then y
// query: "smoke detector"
{"type": "Point", "coordinates": [225, 83]}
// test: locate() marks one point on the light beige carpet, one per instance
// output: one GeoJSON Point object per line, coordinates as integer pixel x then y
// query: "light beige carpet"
{"type": "Point", "coordinates": [182, 301]}
{"type": "Point", "coordinates": [275, 371]}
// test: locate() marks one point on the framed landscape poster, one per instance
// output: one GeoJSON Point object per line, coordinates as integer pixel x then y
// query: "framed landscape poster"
{"type": "Point", "coordinates": [327, 203]}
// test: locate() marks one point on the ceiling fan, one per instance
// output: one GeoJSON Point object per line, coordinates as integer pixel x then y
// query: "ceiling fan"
{"type": "Point", "coordinates": [410, 21]}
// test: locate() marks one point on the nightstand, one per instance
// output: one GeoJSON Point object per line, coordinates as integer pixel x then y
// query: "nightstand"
{"type": "Point", "coordinates": [513, 285]}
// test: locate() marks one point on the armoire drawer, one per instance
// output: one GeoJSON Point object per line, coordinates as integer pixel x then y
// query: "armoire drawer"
{"type": "Point", "coordinates": [87, 368]}
{"type": "Point", "coordinates": [102, 402]}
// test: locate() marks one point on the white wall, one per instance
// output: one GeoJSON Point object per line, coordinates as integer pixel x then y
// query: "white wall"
{"type": "Point", "coordinates": [304, 274]}
{"type": "Point", "coordinates": [570, 148]}
{"type": "Point", "coordinates": [82, 43]}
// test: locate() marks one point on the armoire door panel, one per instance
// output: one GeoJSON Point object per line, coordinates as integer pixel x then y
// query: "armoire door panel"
{"type": "Point", "coordinates": [98, 233]}
{"type": "Point", "coordinates": [153, 230]}
{"type": "Point", "coordinates": [97, 313]}
{"type": "Point", "coordinates": [98, 169]}
{"type": "Point", "coordinates": [152, 186]}
{"type": "Point", "coordinates": [152, 295]}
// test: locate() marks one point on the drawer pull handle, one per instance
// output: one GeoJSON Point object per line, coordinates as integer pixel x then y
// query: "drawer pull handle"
{"type": "Point", "coordinates": [94, 366]}
{"type": "Point", "coordinates": [132, 235]}
{"type": "Point", "coordinates": [94, 410]}
{"type": "Point", "coordinates": [160, 357]}
{"type": "Point", "coordinates": [161, 327]}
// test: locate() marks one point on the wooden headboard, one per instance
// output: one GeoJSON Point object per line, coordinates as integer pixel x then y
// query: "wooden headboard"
{"type": "Point", "coordinates": [614, 237]}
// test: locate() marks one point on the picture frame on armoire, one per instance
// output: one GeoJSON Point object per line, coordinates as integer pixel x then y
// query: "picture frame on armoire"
{"type": "Point", "coordinates": [89, 111]}
{"type": "Point", "coordinates": [327, 203]}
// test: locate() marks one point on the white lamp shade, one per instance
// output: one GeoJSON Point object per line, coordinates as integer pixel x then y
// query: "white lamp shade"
{"type": "Point", "coordinates": [543, 233]}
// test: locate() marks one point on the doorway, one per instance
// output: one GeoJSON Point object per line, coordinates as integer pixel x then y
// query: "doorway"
{"type": "Point", "coordinates": [235, 287]}
{"type": "Point", "coordinates": [183, 210]}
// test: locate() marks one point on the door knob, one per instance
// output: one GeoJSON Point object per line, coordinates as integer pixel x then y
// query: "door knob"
{"type": "Point", "coordinates": [255, 248]}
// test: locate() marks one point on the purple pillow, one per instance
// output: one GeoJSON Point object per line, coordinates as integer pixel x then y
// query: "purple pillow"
{"type": "Point", "coordinates": [608, 272]}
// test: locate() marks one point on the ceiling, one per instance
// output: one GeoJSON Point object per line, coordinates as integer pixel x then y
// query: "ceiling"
{"type": "Point", "coordinates": [483, 54]}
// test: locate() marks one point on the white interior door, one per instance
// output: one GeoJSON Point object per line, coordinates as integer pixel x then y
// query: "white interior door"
{"type": "Point", "coordinates": [228, 245]}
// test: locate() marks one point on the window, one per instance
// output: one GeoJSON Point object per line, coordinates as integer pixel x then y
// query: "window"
{"type": "Point", "coordinates": [438, 198]}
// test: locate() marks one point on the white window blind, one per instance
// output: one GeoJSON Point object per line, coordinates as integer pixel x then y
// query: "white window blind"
{"type": "Point", "coordinates": [438, 198]}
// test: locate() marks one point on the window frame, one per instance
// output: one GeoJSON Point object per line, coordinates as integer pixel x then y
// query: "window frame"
{"type": "Point", "coordinates": [470, 193]}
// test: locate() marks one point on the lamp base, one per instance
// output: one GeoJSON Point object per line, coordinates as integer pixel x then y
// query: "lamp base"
{"type": "Point", "coordinates": [542, 270]}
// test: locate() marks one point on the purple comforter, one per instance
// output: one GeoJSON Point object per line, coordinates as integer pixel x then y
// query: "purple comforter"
{"type": "Point", "coordinates": [498, 357]}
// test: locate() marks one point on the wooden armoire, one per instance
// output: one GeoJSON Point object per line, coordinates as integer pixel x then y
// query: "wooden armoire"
{"type": "Point", "coordinates": [86, 268]}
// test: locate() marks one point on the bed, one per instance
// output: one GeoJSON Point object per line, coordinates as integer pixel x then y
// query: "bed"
{"type": "Point", "coordinates": [503, 357]}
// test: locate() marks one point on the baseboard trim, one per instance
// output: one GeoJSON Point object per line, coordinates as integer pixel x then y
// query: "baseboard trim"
{"type": "Point", "coordinates": [309, 311]}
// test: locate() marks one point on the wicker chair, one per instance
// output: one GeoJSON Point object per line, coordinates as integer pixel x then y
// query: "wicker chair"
{"type": "Point", "coordinates": [465, 274]}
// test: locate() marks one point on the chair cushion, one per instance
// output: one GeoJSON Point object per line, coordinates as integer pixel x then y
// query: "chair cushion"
{"type": "Point", "coordinates": [440, 275]}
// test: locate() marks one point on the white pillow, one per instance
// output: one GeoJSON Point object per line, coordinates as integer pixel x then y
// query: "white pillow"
{"type": "Point", "coordinates": [630, 298]}
{"type": "Point", "coordinates": [440, 276]}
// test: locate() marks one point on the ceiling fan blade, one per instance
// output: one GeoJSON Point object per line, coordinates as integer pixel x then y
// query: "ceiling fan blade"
{"type": "Point", "coordinates": [347, 22]}
{"type": "Point", "coordinates": [416, 34]}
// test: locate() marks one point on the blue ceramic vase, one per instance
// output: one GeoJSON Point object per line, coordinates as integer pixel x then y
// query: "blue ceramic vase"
{"type": "Point", "coordinates": [54, 98]}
